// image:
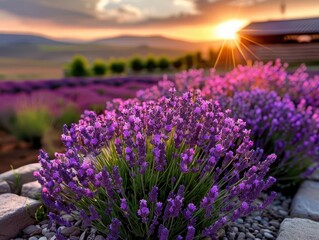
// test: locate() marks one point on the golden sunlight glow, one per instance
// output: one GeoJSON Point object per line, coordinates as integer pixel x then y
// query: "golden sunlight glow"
{"type": "Point", "coordinates": [228, 30]}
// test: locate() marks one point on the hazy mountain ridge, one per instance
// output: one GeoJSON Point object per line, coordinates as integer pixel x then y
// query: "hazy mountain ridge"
{"type": "Point", "coordinates": [9, 39]}
{"type": "Point", "coordinates": [156, 41]}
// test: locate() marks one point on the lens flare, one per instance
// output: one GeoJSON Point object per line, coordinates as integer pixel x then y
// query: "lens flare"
{"type": "Point", "coordinates": [228, 30]}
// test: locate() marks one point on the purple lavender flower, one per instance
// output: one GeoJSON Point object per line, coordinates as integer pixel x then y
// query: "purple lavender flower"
{"type": "Point", "coordinates": [190, 233]}
{"type": "Point", "coordinates": [152, 196]}
{"type": "Point", "coordinates": [163, 233]}
{"type": "Point", "coordinates": [143, 211]}
{"type": "Point", "coordinates": [124, 206]}
{"type": "Point", "coordinates": [181, 156]}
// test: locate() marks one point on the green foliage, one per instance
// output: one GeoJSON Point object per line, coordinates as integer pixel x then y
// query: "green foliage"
{"type": "Point", "coordinates": [117, 66]}
{"type": "Point", "coordinates": [17, 181]}
{"type": "Point", "coordinates": [68, 116]}
{"type": "Point", "coordinates": [150, 64]}
{"type": "Point", "coordinates": [163, 63]}
{"type": "Point", "coordinates": [99, 68]}
{"type": "Point", "coordinates": [200, 62]}
{"type": "Point", "coordinates": [31, 124]}
{"type": "Point", "coordinates": [212, 57]}
{"type": "Point", "coordinates": [78, 67]}
{"type": "Point", "coordinates": [178, 63]}
{"type": "Point", "coordinates": [41, 213]}
{"type": "Point", "coordinates": [189, 61]}
{"type": "Point", "coordinates": [137, 64]}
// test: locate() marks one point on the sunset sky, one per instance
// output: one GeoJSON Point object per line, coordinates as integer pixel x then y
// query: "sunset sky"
{"type": "Point", "coordinates": [193, 20]}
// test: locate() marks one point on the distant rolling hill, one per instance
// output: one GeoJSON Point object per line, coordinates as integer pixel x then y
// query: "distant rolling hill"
{"type": "Point", "coordinates": [21, 53]}
{"type": "Point", "coordinates": [9, 39]}
{"type": "Point", "coordinates": [156, 41]}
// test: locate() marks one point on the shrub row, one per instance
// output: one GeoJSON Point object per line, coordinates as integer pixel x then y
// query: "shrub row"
{"type": "Point", "coordinates": [80, 67]}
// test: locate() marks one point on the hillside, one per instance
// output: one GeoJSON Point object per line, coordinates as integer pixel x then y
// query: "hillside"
{"type": "Point", "coordinates": [23, 56]}
{"type": "Point", "coordinates": [156, 41]}
{"type": "Point", "coordinates": [9, 39]}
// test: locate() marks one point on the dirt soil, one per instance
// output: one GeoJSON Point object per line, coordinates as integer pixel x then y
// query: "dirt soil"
{"type": "Point", "coordinates": [14, 153]}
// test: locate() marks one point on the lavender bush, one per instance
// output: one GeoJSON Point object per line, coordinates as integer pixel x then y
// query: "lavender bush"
{"type": "Point", "coordinates": [277, 125]}
{"type": "Point", "coordinates": [175, 168]}
{"type": "Point", "coordinates": [271, 76]}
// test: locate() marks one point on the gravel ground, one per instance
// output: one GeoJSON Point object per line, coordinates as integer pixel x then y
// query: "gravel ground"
{"type": "Point", "coordinates": [260, 226]}
{"type": "Point", "coordinates": [256, 226]}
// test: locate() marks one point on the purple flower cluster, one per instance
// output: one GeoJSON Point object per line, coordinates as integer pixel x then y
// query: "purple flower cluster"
{"type": "Point", "coordinates": [277, 125]}
{"type": "Point", "coordinates": [299, 85]}
{"type": "Point", "coordinates": [173, 168]}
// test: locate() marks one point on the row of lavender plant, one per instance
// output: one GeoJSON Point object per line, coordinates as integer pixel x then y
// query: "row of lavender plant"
{"type": "Point", "coordinates": [172, 165]}
{"type": "Point", "coordinates": [299, 85]}
{"type": "Point", "coordinates": [31, 116]}
{"type": "Point", "coordinates": [282, 110]}
{"type": "Point", "coordinates": [13, 87]}
{"type": "Point", "coordinates": [175, 168]}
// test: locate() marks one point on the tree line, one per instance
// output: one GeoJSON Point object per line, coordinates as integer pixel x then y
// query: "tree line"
{"type": "Point", "coordinates": [79, 66]}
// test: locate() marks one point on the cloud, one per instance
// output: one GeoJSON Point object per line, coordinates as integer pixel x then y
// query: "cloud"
{"type": "Point", "coordinates": [245, 3]}
{"type": "Point", "coordinates": [128, 11]}
{"type": "Point", "coordinates": [189, 5]}
{"type": "Point", "coordinates": [123, 13]}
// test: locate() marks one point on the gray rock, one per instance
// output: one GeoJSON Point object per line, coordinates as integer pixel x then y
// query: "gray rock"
{"type": "Point", "coordinates": [241, 236]}
{"type": "Point", "coordinates": [4, 187]}
{"type": "Point", "coordinates": [45, 230]}
{"type": "Point", "coordinates": [298, 229]}
{"type": "Point", "coordinates": [70, 231]}
{"type": "Point", "coordinates": [32, 230]}
{"type": "Point", "coordinates": [314, 176]}
{"type": "Point", "coordinates": [306, 202]}
{"type": "Point", "coordinates": [283, 213]}
{"type": "Point", "coordinates": [99, 237]}
{"type": "Point", "coordinates": [17, 177]}
{"type": "Point", "coordinates": [49, 235]}
{"type": "Point", "coordinates": [249, 235]}
{"type": "Point", "coordinates": [43, 238]}
{"type": "Point", "coordinates": [31, 190]}
{"type": "Point", "coordinates": [68, 217]}
{"type": "Point", "coordinates": [76, 238]}
{"type": "Point", "coordinates": [268, 235]}
{"type": "Point", "coordinates": [33, 238]}
{"type": "Point", "coordinates": [232, 236]}
{"type": "Point", "coordinates": [83, 235]}
{"type": "Point", "coordinates": [16, 213]}
{"type": "Point", "coordinates": [240, 220]}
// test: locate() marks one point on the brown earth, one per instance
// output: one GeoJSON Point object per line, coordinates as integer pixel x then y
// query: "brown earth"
{"type": "Point", "coordinates": [14, 153]}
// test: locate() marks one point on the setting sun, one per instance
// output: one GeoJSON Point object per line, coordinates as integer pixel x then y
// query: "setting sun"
{"type": "Point", "coordinates": [228, 30]}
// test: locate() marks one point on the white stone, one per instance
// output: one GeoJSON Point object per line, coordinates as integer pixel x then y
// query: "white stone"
{"type": "Point", "coordinates": [99, 237]}
{"type": "Point", "coordinates": [306, 202]}
{"type": "Point", "coordinates": [33, 238]}
{"type": "Point", "coordinates": [4, 187]}
{"type": "Point", "coordinates": [298, 229]}
{"type": "Point", "coordinates": [31, 190]}
{"type": "Point", "coordinates": [16, 213]}
{"type": "Point", "coordinates": [17, 177]}
{"type": "Point", "coordinates": [43, 238]}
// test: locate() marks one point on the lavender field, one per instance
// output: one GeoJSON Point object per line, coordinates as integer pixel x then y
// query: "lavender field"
{"type": "Point", "coordinates": [173, 158]}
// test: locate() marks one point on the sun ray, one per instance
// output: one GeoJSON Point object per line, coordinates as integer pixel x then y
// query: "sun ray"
{"type": "Point", "coordinates": [257, 43]}
{"type": "Point", "coordinates": [241, 51]}
{"type": "Point", "coordinates": [250, 51]}
{"type": "Point", "coordinates": [219, 54]}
